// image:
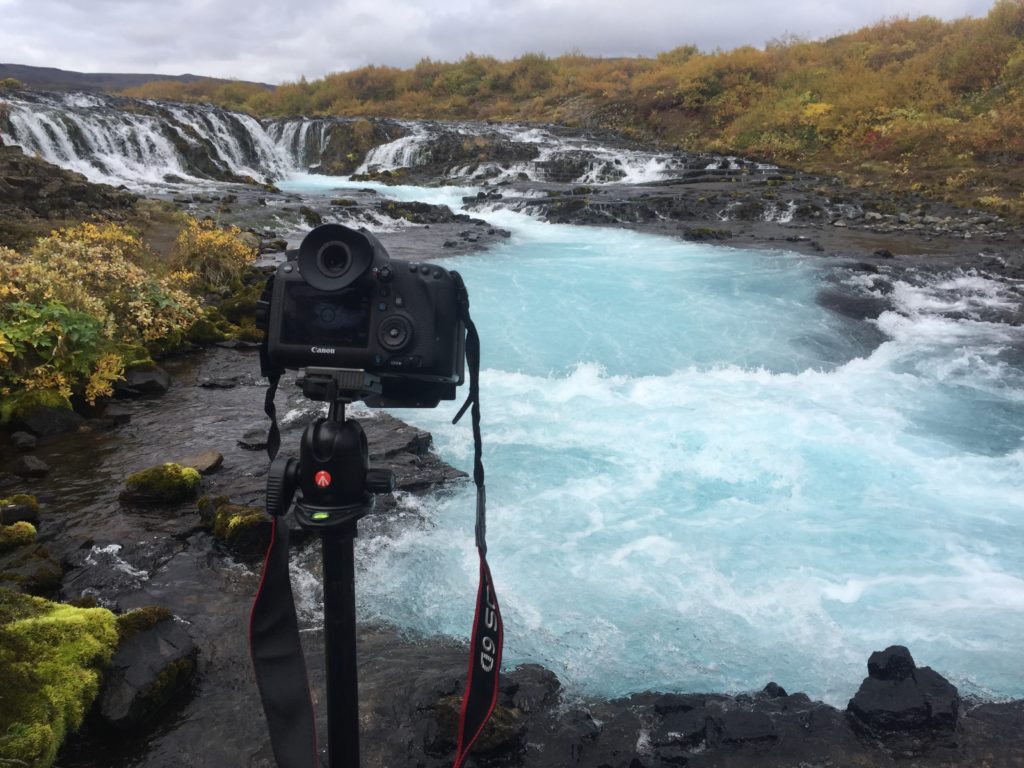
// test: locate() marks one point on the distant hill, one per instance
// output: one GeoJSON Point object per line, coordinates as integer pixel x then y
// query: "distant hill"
{"type": "Point", "coordinates": [50, 79]}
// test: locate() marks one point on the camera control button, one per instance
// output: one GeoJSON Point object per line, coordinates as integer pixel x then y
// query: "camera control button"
{"type": "Point", "coordinates": [425, 269]}
{"type": "Point", "coordinates": [287, 268]}
{"type": "Point", "coordinates": [413, 266]}
{"type": "Point", "coordinates": [394, 333]}
{"type": "Point", "coordinates": [399, 301]}
{"type": "Point", "coordinates": [382, 306]}
{"type": "Point", "coordinates": [384, 274]}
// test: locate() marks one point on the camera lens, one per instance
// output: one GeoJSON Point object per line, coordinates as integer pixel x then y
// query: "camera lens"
{"type": "Point", "coordinates": [333, 259]}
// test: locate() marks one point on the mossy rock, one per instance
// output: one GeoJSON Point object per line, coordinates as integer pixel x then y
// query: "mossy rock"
{"type": "Point", "coordinates": [19, 406]}
{"type": "Point", "coordinates": [203, 331]}
{"type": "Point", "coordinates": [17, 535]}
{"type": "Point", "coordinates": [31, 569]}
{"type": "Point", "coordinates": [244, 530]}
{"type": "Point", "coordinates": [502, 735]}
{"type": "Point", "coordinates": [163, 484]}
{"type": "Point", "coordinates": [154, 661]}
{"type": "Point", "coordinates": [21, 507]}
{"type": "Point", "coordinates": [131, 623]}
{"type": "Point", "coordinates": [51, 660]}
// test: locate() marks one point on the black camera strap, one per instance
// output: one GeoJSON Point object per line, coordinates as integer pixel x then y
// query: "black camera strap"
{"type": "Point", "coordinates": [274, 631]}
{"type": "Point", "coordinates": [482, 681]}
{"type": "Point", "coordinates": [268, 370]}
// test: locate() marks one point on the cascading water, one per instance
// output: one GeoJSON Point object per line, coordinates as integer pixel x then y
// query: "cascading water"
{"type": "Point", "coordinates": [154, 143]}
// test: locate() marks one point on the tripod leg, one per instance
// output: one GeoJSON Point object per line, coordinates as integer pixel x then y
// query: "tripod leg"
{"type": "Point", "coordinates": [340, 647]}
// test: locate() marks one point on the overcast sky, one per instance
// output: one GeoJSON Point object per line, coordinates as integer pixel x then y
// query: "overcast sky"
{"type": "Point", "coordinates": [276, 41]}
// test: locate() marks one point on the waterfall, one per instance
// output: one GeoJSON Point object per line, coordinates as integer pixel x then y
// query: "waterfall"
{"type": "Point", "coordinates": [114, 140]}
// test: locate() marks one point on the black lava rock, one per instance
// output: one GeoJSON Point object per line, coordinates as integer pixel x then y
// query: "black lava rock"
{"type": "Point", "coordinates": [43, 421]}
{"type": "Point", "coordinates": [143, 380]}
{"type": "Point", "coordinates": [148, 669]}
{"type": "Point", "coordinates": [899, 697]}
{"type": "Point", "coordinates": [30, 466]}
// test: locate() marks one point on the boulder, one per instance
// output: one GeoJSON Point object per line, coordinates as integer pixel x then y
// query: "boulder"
{"type": "Point", "coordinates": [23, 441]}
{"type": "Point", "coordinates": [143, 380]}
{"type": "Point", "coordinates": [31, 569]}
{"type": "Point", "coordinates": [162, 484]}
{"type": "Point", "coordinates": [204, 463]}
{"type": "Point", "coordinates": [43, 420]}
{"type": "Point", "coordinates": [243, 530]}
{"type": "Point", "coordinates": [21, 507]}
{"type": "Point", "coordinates": [898, 697]}
{"type": "Point", "coordinates": [30, 466]}
{"type": "Point", "coordinates": [16, 535]}
{"type": "Point", "coordinates": [154, 661]}
{"type": "Point", "coordinates": [254, 439]}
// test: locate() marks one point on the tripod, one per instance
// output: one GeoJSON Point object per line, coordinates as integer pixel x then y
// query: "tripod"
{"type": "Point", "coordinates": [337, 489]}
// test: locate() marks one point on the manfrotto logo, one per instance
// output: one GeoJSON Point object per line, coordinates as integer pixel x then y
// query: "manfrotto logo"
{"type": "Point", "coordinates": [322, 350]}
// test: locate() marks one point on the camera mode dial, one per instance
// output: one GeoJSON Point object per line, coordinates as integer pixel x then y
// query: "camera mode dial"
{"type": "Point", "coordinates": [395, 333]}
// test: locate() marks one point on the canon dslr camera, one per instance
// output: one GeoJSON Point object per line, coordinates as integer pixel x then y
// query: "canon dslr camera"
{"type": "Point", "coordinates": [342, 303]}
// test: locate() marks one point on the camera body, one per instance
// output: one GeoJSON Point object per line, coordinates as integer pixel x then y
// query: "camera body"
{"type": "Point", "coordinates": [343, 303]}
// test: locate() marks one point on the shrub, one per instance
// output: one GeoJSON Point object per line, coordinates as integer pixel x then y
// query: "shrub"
{"type": "Point", "coordinates": [77, 307]}
{"type": "Point", "coordinates": [210, 258]}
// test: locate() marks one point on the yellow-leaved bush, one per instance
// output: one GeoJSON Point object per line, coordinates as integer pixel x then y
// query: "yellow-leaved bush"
{"type": "Point", "coordinates": [209, 258]}
{"type": "Point", "coordinates": [79, 305]}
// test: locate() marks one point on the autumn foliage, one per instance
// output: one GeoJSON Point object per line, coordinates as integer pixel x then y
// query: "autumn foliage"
{"type": "Point", "coordinates": [86, 301]}
{"type": "Point", "coordinates": [916, 103]}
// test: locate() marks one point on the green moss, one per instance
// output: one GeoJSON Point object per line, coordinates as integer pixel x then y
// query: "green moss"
{"type": "Point", "coordinates": [171, 679]}
{"type": "Point", "coordinates": [16, 535]}
{"type": "Point", "coordinates": [244, 530]}
{"type": "Point", "coordinates": [21, 404]}
{"type": "Point", "coordinates": [131, 623]}
{"type": "Point", "coordinates": [51, 659]}
{"type": "Point", "coordinates": [165, 483]}
{"type": "Point", "coordinates": [21, 500]}
{"type": "Point", "coordinates": [19, 507]}
{"type": "Point", "coordinates": [232, 519]}
{"type": "Point", "coordinates": [205, 332]}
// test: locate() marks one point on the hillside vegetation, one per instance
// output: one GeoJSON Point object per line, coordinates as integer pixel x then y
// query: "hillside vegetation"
{"type": "Point", "coordinates": [920, 104]}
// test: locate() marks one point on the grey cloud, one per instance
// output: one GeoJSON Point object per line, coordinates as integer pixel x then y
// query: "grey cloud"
{"type": "Point", "coordinates": [275, 41]}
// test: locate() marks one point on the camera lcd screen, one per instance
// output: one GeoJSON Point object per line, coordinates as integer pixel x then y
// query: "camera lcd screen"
{"type": "Point", "coordinates": [314, 317]}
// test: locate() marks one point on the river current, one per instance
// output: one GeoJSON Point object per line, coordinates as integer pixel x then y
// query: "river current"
{"type": "Point", "coordinates": [701, 479]}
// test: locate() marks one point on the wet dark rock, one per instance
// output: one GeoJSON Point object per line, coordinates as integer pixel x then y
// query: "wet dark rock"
{"type": "Point", "coordinates": [220, 383]}
{"type": "Point", "coordinates": [687, 728]}
{"type": "Point", "coordinates": [898, 697]}
{"type": "Point", "coordinates": [30, 466]}
{"type": "Point", "coordinates": [167, 483]}
{"type": "Point", "coordinates": [44, 421]}
{"type": "Point", "coordinates": [117, 415]}
{"type": "Point", "coordinates": [30, 569]}
{"type": "Point", "coordinates": [855, 306]}
{"type": "Point", "coordinates": [894, 663]}
{"type": "Point", "coordinates": [23, 441]}
{"type": "Point", "coordinates": [530, 688]}
{"type": "Point", "coordinates": [143, 380]}
{"type": "Point", "coordinates": [739, 727]}
{"type": "Point", "coordinates": [204, 463]}
{"type": "Point", "coordinates": [388, 436]}
{"type": "Point", "coordinates": [19, 508]}
{"type": "Point", "coordinates": [883, 253]}
{"type": "Point", "coordinates": [149, 669]}
{"type": "Point", "coordinates": [774, 691]}
{"type": "Point", "coordinates": [244, 530]}
{"type": "Point", "coordinates": [311, 217]}
{"type": "Point", "coordinates": [239, 344]}
{"type": "Point", "coordinates": [254, 439]}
